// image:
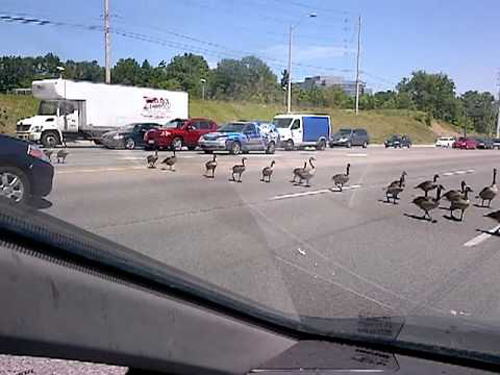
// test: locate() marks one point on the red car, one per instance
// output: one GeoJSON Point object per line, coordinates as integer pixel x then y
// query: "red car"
{"type": "Point", "coordinates": [178, 133]}
{"type": "Point", "coordinates": [466, 143]}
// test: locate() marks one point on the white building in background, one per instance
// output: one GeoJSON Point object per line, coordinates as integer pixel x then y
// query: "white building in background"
{"type": "Point", "coordinates": [347, 86]}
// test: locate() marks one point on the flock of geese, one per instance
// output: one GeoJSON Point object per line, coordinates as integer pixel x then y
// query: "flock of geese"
{"type": "Point", "coordinates": [459, 199]}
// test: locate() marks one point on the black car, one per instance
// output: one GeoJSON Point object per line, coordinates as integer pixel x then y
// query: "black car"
{"type": "Point", "coordinates": [25, 171]}
{"type": "Point", "coordinates": [485, 143]}
{"type": "Point", "coordinates": [496, 143]}
{"type": "Point", "coordinates": [130, 136]}
{"type": "Point", "coordinates": [350, 137]}
{"type": "Point", "coordinates": [397, 140]}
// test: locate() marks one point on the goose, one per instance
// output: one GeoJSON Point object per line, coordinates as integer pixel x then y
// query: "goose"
{"type": "Point", "coordinates": [428, 203]}
{"type": "Point", "coordinates": [239, 169]}
{"type": "Point", "coordinates": [296, 172]}
{"type": "Point", "coordinates": [48, 154]}
{"type": "Point", "coordinates": [395, 188]}
{"type": "Point", "coordinates": [341, 179]}
{"type": "Point", "coordinates": [152, 159]}
{"type": "Point", "coordinates": [489, 192]}
{"type": "Point", "coordinates": [211, 165]}
{"type": "Point", "coordinates": [428, 185]}
{"type": "Point", "coordinates": [62, 155]}
{"type": "Point", "coordinates": [453, 195]}
{"type": "Point", "coordinates": [308, 173]}
{"type": "Point", "coordinates": [170, 161]}
{"type": "Point", "coordinates": [462, 203]}
{"type": "Point", "coordinates": [267, 172]}
{"type": "Point", "coordinates": [495, 215]}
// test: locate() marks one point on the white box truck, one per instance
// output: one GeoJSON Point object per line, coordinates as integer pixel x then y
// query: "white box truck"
{"type": "Point", "coordinates": [83, 110]}
{"type": "Point", "coordinates": [299, 131]}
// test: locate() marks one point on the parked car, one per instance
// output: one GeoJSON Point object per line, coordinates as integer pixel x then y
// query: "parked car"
{"type": "Point", "coordinates": [397, 140]}
{"type": "Point", "coordinates": [496, 143]}
{"type": "Point", "coordinates": [178, 133]}
{"type": "Point", "coordinates": [465, 143]}
{"type": "Point", "coordinates": [350, 137]}
{"type": "Point", "coordinates": [130, 136]}
{"type": "Point", "coordinates": [445, 142]}
{"type": "Point", "coordinates": [237, 137]}
{"type": "Point", "coordinates": [484, 143]}
{"type": "Point", "coordinates": [25, 171]}
{"type": "Point", "coordinates": [298, 130]}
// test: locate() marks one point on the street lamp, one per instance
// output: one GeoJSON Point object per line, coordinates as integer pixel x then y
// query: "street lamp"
{"type": "Point", "coordinates": [292, 27]}
{"type": "Point", "coordinates": [61, 69]}
{"type": "Point", "coordinates": [203, 81]}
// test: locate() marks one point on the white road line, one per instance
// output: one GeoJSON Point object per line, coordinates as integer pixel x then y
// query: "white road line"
{"type": "Point", "coordinates": [309, 193]}
{"type": "Point", "coordinates": [470, 171]}
{"type": "Point", "coordinates": [448, 174]}
{"type": "Point", "coordinates": [481, 238]}
{"type": "Point", "coordinates": [460, 172]}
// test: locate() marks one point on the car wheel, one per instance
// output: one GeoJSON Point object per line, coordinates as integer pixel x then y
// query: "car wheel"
{"type": "Point", "coordinates": [177, 143]}
{"type": "Point", "coordinates": [365, 145]}
{"type": "Point", "coordinates": [348, 144]}
{"type": "Point", "coordinates": [289, 145]}
{"type": "Point", "coordinates": [235, 148]}
{"type": "Point", "coordinates": [271, 148]}
{"type": "Point", "coordinates": [192, 148]}
{"type": "Point", "coordinates": [207, 151]}
{"type": "Point", "coordinates": [50, 139]}
{"type": "Point", "coordinates": [129, 144]}
{"type": "Point", "coordinates": [321, 145]}
{"type": "Point", "coordinates": [14, 185]}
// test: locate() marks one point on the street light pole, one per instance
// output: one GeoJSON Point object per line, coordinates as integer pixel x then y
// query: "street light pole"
{"type": "Point", "coordinates": [107, 42]}
{"type": "Point", "coordinates": [289, 85]}
{"type": "Point", "coordinates": [203, 81]}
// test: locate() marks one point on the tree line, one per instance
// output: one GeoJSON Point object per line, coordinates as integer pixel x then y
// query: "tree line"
{"type": "Point", "coordinates": [251, 79]}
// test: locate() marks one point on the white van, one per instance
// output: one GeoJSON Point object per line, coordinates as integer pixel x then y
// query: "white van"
{"type": "Point", "coordinates": [298, 130]}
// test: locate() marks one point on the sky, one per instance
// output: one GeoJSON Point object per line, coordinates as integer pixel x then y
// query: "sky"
{"type": "Point", "coordinates": [456, 37]}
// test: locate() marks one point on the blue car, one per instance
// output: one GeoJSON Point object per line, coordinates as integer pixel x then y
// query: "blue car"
{"type": "Point", "coordinates": [237, 137]}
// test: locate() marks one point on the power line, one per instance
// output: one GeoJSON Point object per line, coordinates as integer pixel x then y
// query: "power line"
{"type": "Point", "coordinates": [307, 6]}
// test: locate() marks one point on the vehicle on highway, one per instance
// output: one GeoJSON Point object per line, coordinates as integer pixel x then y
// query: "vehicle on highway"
{"type": "Point", "coordinates": [484, 143]}
{"type": "Point", "coordinates": [465, 143]}
{"type": "Point", "coordinates": [496, 143]}
{"type": "Point", "coordinates": [238, 137]}
{"type": "Point", "coordinates": [398, 141]}
{"type": "Point", "coordinates": [298, 131]}
{"type": "Point", "coordinates": [445, 142]}
{"type": "Point", "coordinates": [178, 133]}
{"type": "Point", "coordinates": [25, 171]}
{"type": "Point", "coordinates": [350, 137]}
{"type": "Point", "coordinates": [72, 110]}
{"type": "Point", "coordinates": [130, 136]}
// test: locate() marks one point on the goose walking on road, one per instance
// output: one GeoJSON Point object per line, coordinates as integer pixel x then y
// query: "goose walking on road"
{"type": "Point", "coordinates": [453, 195]}
{"type": "Point", "coordinates": [395, 188]}
{"type": "Point", "coordinates": [495, 215]}
{"type": "Point", "coordinates": [427, 204]}
{"type": "Point", "coordinates": [462, 203]}
{"type": "Point", "coordinates": [428, 185]}
{"type": "Point", "coordinates": [268, 172]}
{"type": "Point", "coordinates": [170, 161]}
{"type": "Point", "coordinates": [211, 165]}
{"type": "Point", "coordinates": [238, 169]}
{"type": "Point", "coordinates": [341, 179]}
{"type": "Point", "coordinates": [489, 192]}
{"type": "Point", "coordinates": [307, 173]}
{"type": "Point", "coordinates": [296, 172]}
{"type": "Point", "coordinates": [152, 159]}
{"type": "Point", "coordinates": [62, 155]}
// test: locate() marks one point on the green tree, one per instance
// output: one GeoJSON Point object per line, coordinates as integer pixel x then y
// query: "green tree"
{"type": "Point", "coordinates": [188, 70]}
{"type": "Point", "coordinates": [127, 72]}
{"type": "Point", "coordinates": [480, 109]}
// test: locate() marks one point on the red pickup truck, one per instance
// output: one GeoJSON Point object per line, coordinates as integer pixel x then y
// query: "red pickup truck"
{"type": "Point", "coordinates": [178, 133]}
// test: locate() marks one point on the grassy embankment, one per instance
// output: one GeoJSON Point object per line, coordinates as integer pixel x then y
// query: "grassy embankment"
{"type": "Point", "coordinates": [380, 123]}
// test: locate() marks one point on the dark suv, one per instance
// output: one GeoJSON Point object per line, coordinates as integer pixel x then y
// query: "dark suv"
{"type": "Point", "coordinates": [350, 137]}
{"type": "Point", "coordinates": [398, 141]}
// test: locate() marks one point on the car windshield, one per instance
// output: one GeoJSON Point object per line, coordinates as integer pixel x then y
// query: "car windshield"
{"type": "Point", "coordinates": [47, 108]}
{"type": "Point", "coordinates": [301, 221]}
{"type": "Point", "coordinates": [282, 123]}
{"type": "Point", "coordinates": [233, 128]}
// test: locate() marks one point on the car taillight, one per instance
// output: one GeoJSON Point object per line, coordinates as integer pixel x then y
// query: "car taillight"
{"type": "Point", "coordinates": [37, 153]}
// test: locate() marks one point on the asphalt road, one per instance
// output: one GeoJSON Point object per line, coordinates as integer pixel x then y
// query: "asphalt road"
{"type": "Point", "coordinates": [303, 251]}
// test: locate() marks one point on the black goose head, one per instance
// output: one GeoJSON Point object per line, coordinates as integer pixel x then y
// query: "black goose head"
{"type": "Point", "coordinates": [272, 163]}
{"type": "Point", "coordinates": [436, 176]}
{"type": "Point", "coordinates": [348, 168]}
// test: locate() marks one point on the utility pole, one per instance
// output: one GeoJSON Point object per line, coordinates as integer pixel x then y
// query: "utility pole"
{"type": "Point", "coordinates": [356, 110]}
{"type": "Point", "coordinates": [107, 42]}
{"type": "Point", "coordinates": [289, 83]}
{"type": "Point", "coordinates": [498, 118]}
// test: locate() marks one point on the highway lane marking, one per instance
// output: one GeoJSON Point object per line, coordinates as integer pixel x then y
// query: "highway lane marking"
{"type": "Point", "coordinates": [457, 173]}
{"type": "Point", "coordinates": [309, 193]}
{"type": "Point", "coordinates": [481, 238]}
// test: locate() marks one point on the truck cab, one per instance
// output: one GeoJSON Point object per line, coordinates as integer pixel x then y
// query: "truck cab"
{"type": "Point", "coordinates": [299, 131]}
{"type": "Point", "coordinates": [53, 118]}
